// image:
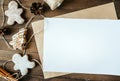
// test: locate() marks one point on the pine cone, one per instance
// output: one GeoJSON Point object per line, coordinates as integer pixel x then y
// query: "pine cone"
{"type": "Point", "coordinates": [36, 8]}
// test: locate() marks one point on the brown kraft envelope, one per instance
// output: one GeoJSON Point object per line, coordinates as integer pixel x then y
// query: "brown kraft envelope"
{"type": "Point", "coordinates": [106, 11]}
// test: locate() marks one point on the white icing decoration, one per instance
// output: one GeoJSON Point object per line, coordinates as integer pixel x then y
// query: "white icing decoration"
{"type": "Point", "coordinates": [54, 3]}
{"type": "Point", "coordinates": [22, 63]}
{"type": "Point", "coordinates": [19, 39]}
{"type": "Point", "coordinates": [14, 13]}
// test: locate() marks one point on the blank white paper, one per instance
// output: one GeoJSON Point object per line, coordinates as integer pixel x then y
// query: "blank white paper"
{"type": "Point", "coordinates": [82, 46]}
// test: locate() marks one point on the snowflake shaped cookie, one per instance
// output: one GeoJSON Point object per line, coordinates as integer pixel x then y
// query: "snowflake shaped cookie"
{"type": "Point", "coordinates": [14, 13]}
{"type": "Point", "coordinates": [19, 39]}
{"type": "Point", "coordinates": [22, 63]}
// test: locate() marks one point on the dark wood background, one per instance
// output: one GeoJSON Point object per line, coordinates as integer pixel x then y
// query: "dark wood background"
{"type": "Point", "coordinates": [36, 74]}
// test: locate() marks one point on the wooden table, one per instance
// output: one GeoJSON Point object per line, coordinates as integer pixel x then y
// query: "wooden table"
{"type": "Point", "coordinates": [36, 74]}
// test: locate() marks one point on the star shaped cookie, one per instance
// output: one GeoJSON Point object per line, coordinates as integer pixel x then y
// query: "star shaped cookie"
{"type": "Point", "coordinates": [22, 63]}
{"type": "Point", "coordinates": [14, 13]}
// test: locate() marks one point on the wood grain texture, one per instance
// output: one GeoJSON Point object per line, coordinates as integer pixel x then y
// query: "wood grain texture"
{"type": "Point", "coordinates": [36, 74]}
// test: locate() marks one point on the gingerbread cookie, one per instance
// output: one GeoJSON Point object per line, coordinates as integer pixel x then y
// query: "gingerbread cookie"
{"type": "Point", "coordinates": [14, 13]}
{"type": "Point", "coordinates": [54, 3]}
{"type": "Point", "coordinates": [19, 39]}
{"type": "Point", "coordinates": [22, 63]}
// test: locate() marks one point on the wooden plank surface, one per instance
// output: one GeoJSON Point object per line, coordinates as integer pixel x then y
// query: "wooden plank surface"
{"type": "Point", "coordinates": [36, 74]}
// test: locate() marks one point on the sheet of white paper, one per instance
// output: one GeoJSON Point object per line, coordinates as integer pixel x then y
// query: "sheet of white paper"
{"type": "Point", "coordinates": [82, 46]}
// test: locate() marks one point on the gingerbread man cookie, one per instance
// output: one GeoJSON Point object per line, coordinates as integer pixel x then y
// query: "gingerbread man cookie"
{"type": "Point", "coordinates": [22, 63]}
{"type": "Point", "coordinates": [54, 3]}
{"type": "Point", "coordinates": [19, 39]}
{"type": "Point", "coordinates": [14, 13]}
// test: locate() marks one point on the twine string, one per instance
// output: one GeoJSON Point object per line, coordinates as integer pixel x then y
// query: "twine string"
{"type": "Point", "coordinates": [6, 42]}
{"type": "Point", "coordinates": [4, 64]}
{"type": "Point", "coordinates": [3, 13]}
{"type": "Point", "coordinates": [43, 16]}
{"type": "Point", "coordinates": [27, 25]}
{"type": "Point", "coordinates": [38, 63]}
{"type": "Point", "coordinates": [16, 74]}
{"type": "Point", "coordinates": [31, 37]}
{"type": "Point", "coordinates": [28, 42]}
{"type": "Point", "coordinates": [22, 5]}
